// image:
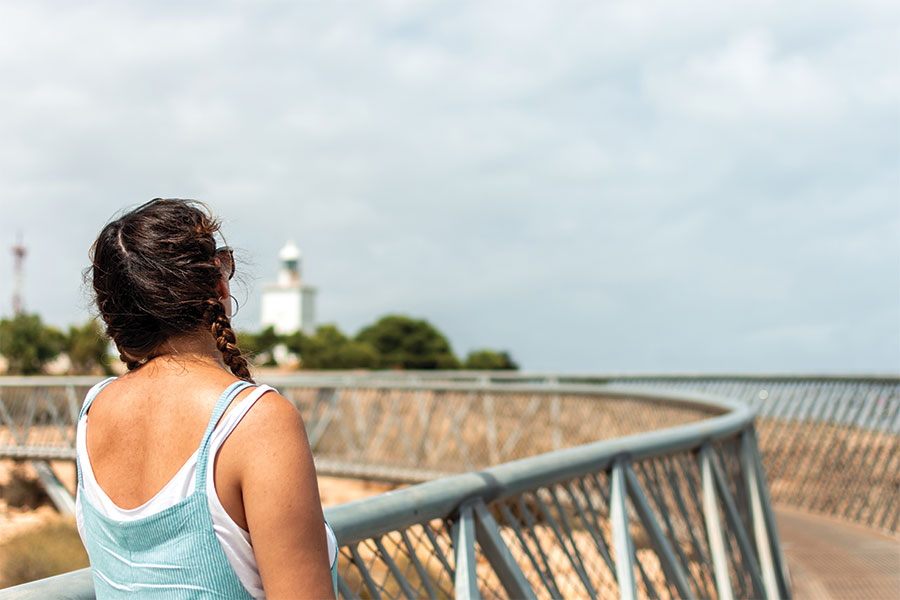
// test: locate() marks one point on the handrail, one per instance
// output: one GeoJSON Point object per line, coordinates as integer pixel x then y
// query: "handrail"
{"type": "Point", "coordinates": [475, 375]}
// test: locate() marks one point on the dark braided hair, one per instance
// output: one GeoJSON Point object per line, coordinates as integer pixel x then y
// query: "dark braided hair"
{"type": "Point", "coordinates": [154, 275]}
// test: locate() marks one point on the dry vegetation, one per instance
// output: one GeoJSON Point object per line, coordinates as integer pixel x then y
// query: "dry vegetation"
{"type": "Point", "coordinates": [49, 548]}
{"type": "Point", "coordinates": [35, 541]}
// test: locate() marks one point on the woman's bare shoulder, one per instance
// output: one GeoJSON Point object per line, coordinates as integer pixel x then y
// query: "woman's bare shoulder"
{"type": "Point", "coordinates": [272, 410]}
{"type": "Point", "coordinates": [273, 428]}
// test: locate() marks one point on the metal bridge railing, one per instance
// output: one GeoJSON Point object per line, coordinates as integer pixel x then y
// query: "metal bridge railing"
{"type": "Point", "coordinates": [673, 514]}
{"type": "Point", "coordinates": [400, 431]}
{"type": "Point", "coordinates": [830, 445]}
{"type": "Point", "coordinates": [677, 512]}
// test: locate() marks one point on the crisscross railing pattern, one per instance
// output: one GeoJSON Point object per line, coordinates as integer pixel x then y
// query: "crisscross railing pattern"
{"type": "Point", "coordinates": [37, 416]}
{"type": "Point", "coordinates": [829, 445]}
{"type": "Point", "coordinates": [419, 431]}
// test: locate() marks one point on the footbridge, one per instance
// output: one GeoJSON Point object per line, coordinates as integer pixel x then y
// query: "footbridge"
{"type": "Point", "coordinates": [558, 486]}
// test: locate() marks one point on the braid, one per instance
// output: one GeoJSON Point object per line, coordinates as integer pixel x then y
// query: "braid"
{"type": "Point", "coordinates": [130, 364]}
{"type": "Point", "coordinates": [226, 341]}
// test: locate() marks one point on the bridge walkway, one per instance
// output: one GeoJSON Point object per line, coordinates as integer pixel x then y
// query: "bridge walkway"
{"type": "Point", "coordinates": [829, 558]}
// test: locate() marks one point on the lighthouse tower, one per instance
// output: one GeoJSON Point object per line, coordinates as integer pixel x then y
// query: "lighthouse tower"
{"type": "Point", "coordinates": [288, 304]}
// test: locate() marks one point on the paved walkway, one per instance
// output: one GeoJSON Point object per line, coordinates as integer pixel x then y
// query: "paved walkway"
{"type": "Point", "coordinates": [828, 558]}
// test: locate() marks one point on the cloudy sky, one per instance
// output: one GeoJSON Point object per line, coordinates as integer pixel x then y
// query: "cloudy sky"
{"type": "Point", "coordinates": [594, 186]}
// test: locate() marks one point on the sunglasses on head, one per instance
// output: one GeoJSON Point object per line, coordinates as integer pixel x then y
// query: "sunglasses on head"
{"type": "Point", "coordinates": [226, 259]}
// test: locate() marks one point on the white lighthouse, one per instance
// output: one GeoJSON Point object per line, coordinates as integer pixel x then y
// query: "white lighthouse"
{"type": "Point", "coordinates": [288, 304]}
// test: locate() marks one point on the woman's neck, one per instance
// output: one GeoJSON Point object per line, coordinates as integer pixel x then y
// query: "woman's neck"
{"type": "Point", "coordinates": [179, 350]}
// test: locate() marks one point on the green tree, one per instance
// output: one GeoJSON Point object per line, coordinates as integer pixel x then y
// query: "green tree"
{"type": "Point", "coordinates": [329, 348]}
{"type": "Point", "coordinates": [406, 343]}
{"type": "Point", "coordinates": [310, 348]}
{"type": "Point", "coordinates": [298, 343]}
{"type": "Point", "coordinates": [87, 348]}
{"type": "Point", "coordinates": [490, 360]}
{"type": "Point", "coordinates": [260, 345]}
{"type": "Point", "coordinates": [28, 344]}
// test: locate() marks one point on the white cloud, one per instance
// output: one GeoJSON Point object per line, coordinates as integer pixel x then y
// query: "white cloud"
{"type": "Point", "coordinates": [747, 81]}
{"type": "Point", "coordinates": [622, 185]}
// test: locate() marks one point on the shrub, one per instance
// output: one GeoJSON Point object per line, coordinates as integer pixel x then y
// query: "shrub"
{"type": "Point", "coordinates": [43, 551]}
{"type": "Point", "coordinates": [23, 491]}
{"type": "Point", "coordinates": [490, 360]}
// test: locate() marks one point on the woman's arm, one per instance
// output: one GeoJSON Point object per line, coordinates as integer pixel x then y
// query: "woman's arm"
{"type": "Point", "coordinates": [281, 502]}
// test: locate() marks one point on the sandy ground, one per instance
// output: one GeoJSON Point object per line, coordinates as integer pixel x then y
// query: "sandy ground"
{"type": "Point", "coordinates": [332, 490]}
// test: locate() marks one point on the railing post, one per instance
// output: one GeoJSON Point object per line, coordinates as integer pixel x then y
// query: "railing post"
{"type": "Point", "coordinates": [6, 418]}
{"type": "Point", "coordinates": [714, 527]}
{"type": "Point", "coordinates": [490, 425]}
{"type": "Point", "coordinates": [321, 424]}
{"type": "Point", "coordinates": [370, 584]}
{"type": "Point", "coordinates": [394, 569]}
{"type": "Point", "coordinates": [463, 538]}
{"type": "Point", "coordinates": [670, 564]}
{"type": "Point", "coordinates": [72, 403]}
{"type": "Point", "coordinates": [622, 543]}
{"type": "Point", "coordinates": [556, 422]}
{"type": "Point", "coordinates": [733, 517]}
{"type": "Point", "coordinates": [57, 492]}
{"type": "Point", "coordinates": [497, 553]}
{"type": "Point", "coordinates": [774, 569]}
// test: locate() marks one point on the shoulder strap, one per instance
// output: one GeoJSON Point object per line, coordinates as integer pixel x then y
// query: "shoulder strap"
{"type": "Point", "coordinates": [227, 424]}
{"type": "Point", "coordinates": [92, 393]}
{"type": "Point", "coordinates": [88, 400]}
{"type": "Point", "coordinates": [222, 404]}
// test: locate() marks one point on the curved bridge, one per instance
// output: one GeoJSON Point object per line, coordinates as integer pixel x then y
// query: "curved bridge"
{"type": "Point", "coordinates": [670, 502]}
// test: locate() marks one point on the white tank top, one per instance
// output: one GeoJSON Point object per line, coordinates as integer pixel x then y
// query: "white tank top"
{"type": "Point", "coordinates": [235, 541]}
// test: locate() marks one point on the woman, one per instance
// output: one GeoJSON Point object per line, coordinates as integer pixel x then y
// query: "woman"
{"type": "Point", "coordinates": [183, 461]}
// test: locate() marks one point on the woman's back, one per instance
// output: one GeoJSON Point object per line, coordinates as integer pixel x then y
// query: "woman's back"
{"type": "Point", "coordinates": [145, 426]}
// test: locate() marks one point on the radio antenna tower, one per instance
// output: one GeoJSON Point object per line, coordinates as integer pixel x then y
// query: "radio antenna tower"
{"type": "Point", "coordinates": [19, 264]}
